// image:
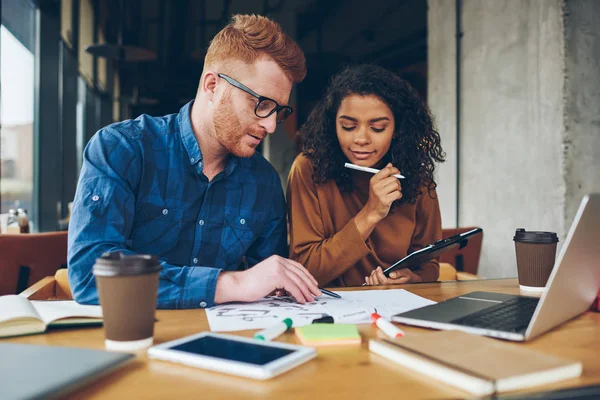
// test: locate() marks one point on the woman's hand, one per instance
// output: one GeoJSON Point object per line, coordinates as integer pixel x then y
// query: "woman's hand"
{"type": "Point", "coordinates": [396, 277]}
{"type": "Point", "coordinates": [384, 189]}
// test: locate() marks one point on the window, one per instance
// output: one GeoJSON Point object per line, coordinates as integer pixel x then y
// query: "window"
{"type": "Point", "coordinates": [86, 38]}
{"type": "Point", "coordinates": [66, 23]}
{"type": "Point", "coordinates": [16, 105]}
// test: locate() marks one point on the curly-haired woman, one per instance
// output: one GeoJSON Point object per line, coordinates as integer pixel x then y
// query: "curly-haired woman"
{"type": "Point", "coordinates": [346, 224]}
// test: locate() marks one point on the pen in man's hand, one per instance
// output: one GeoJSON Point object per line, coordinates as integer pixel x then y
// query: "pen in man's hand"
{"type": "Point", "coordinates": [330, 293]}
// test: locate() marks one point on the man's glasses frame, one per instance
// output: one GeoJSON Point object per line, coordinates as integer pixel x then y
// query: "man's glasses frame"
{"type": "Point", "coordinates": [282, 111]}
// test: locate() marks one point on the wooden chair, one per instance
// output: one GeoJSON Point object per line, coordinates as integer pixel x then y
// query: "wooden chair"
{"type": "Point", "coordinates": [449, 273]}
{"type": "Point", "coordinates": [467, 258]}
{"type": "Point", "coordinates": [28, 258]}
{"type": "Point", "coordinates": [50, 288]}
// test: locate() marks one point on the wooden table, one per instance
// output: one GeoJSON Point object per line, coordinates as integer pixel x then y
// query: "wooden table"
{"type": "Point", "coordinates": [345, 372]}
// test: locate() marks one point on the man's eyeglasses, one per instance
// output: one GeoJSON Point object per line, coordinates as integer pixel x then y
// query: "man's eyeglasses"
{"type": "Point", "coordinates": [265, 106]}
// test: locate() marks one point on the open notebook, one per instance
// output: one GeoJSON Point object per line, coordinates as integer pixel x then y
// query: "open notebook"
{"type": "Point", "coordinates": [20, 316]}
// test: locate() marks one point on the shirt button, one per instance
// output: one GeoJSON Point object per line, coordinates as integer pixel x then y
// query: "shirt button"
{"type": "Point", "coordinates": [165, 211]}
{"type": "Point", "coordinates": [203, 304]}
{"type": "Point", "coordinates": [201, 222]}
{"type": "Point", "coordinates": [242, 221]}
{"type": "Point", "coordinates": [195, 260]}
{"type": "Point", "coordinates": [95, 197]}
{"type": "Point", "coordinates": [192, 159]}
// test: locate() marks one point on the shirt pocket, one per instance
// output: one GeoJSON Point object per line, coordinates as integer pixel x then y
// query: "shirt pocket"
{"type": "Point", "coordinates": [156, 228]}
{"type": "Point", "coordinates": [239, 233]}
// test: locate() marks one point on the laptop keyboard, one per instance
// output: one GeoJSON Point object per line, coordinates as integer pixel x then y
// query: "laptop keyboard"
{"type": "Point", "coordinates": [511, 316]}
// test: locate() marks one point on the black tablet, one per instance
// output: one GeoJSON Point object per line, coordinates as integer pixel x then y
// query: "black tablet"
{"type": "Point", "coordinates": [236, 355]}
{"type": "Point", "coordinates": [415, 259]}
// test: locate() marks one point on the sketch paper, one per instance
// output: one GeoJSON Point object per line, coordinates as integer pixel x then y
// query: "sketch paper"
{"type": "Point", "coordinates": [385, 302]}
{"type": "Point", "coordinates": [263, 314]}
{"type": "Point", "coordinates": [354, 307]}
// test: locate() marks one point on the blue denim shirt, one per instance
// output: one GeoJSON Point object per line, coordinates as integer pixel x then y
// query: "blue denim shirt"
{"type": "Point", "coordinates": [142, 190]}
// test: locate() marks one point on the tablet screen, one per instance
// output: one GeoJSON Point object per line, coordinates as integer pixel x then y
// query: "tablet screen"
{"type": "Point", "coordinates": [233, 350]}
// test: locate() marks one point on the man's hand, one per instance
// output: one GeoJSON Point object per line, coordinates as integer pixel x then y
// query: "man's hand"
{"type": "Point", "coordinates": [396, 278]}
{"type": "Point", "coordinates": [274, 273]}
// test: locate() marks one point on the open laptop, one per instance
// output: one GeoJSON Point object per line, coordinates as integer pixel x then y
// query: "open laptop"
{"type": "Point", "coordinates": [572, 287]}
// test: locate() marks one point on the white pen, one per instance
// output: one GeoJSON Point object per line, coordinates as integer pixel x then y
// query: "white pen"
{"type": "Point", "coordinates": [274, 331]}
{"type": "Point", "coordinates": [367, 169]}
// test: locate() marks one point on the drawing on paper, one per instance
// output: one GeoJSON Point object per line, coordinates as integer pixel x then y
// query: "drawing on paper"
{"type": "Point", "coordinates": [355, 307]}
{"type": "Point", "coordinates": [263, 313]}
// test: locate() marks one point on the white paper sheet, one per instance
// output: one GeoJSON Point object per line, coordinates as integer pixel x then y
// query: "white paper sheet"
{"type": "Point", "coordinates": [262, 314]}
{"type": "Point", "coordinates": [354, 307]}
{"type": "Point", "coordinates": [385, 302]}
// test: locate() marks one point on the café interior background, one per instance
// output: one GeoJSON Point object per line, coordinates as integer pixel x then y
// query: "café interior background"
{"type": "Point", "coordinates": [513, 86]}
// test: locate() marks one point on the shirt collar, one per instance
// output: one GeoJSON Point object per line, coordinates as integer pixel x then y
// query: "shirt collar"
{"type": "Point", "coordinates": [188, 138]}
{"type": "Point", "coordinates": [187, 134]}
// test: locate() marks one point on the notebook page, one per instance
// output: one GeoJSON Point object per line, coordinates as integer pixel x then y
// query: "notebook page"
{"type": "Point", "coordinates": [54, 310]}
{"type": "Point", "coordinates": [15, 307]}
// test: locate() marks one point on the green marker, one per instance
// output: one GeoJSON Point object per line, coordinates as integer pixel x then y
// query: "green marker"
{"type": "Point", "coordinates": [274, 331]}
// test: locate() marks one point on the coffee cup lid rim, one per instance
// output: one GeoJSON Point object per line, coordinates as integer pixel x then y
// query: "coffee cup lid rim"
{"type": "Point", "coordinates": [118, 263]}
{"type": "Point", "coordinates": [539, 237]}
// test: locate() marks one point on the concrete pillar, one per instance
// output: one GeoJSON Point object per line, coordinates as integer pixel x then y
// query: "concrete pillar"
{"type": "Point", "coordinates": [441, 62]}
{"type": "Point", "coordinates": [529, 139]}
{"type": "Point", "coordinates": [581, 143]}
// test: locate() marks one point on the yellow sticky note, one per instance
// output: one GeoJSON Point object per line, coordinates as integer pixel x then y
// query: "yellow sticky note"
{"type": "Point", "coordinates": [328, 334]}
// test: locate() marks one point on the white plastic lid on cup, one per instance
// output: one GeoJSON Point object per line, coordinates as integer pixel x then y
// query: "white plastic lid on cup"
{"type": "Point", "coordinates": [132, 345]}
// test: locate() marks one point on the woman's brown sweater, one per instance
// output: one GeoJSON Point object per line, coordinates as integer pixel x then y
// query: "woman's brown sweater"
{"type": "Point", "coordinates": [325, 239]}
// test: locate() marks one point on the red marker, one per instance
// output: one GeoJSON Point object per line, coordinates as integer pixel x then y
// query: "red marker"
{"type": "Point", "coordinates": [386, 326]}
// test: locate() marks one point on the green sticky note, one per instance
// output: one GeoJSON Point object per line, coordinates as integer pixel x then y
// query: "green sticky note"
{"type": "Point", "coordinates": [328, 332]}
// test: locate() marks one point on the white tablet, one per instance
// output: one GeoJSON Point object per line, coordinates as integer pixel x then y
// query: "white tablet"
{"type": "Point", "coordinates": [235, 355]}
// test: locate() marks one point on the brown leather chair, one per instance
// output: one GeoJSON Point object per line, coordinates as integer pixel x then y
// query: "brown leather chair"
{"type": "Point", "coordinates": [467, 258]}
{"type": "Point", "coordinates": [27, 258]}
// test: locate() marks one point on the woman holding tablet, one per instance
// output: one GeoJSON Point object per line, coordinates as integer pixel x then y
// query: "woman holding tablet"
{"type": "Point", "coordinates": [346, 224]}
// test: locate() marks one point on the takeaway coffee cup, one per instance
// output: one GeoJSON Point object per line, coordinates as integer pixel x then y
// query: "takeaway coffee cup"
{"type": "Point", "coordinates": [536, 252]}
{"type": "Point", "coordinates": [128, 287]}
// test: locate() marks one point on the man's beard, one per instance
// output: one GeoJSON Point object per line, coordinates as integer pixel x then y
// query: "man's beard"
{"type": "Point", "coordinates": [229, 130]}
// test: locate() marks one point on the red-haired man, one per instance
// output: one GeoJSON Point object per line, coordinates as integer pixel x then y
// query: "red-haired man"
{"type": "Point", "coordinates": [190, 187]}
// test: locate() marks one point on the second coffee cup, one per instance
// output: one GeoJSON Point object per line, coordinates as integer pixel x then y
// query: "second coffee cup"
{"type": "Point", "coordinates": [535, 252]}
{"type": "Point", "coordinates": [127, 288]}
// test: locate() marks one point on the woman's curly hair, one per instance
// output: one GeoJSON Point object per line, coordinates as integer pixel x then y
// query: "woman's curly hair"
{"type": "Point", "coordinates": [415, 143]}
